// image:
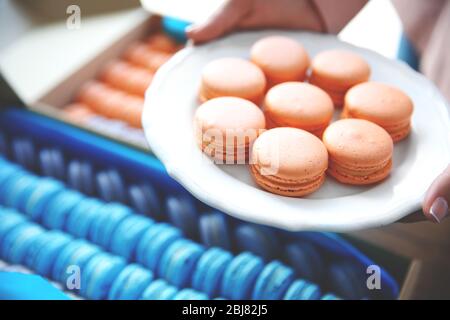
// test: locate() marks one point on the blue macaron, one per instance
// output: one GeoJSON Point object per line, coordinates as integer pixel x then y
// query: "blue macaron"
{"type": "Point", "coordinates": [159, 290]}
{"type": "Point", "coordinates": [347, 280]}
{"type": "Point", "coordinates": [52, 163]}
{"type": "Point", "coordinates": [76, 253]}
{"type": "Point", "coordinates": [20, 191]}
{"type": "Point", "coordinates": [46, 256]}
{"type": "Point", "coordinates": [330, 296]}
{"type": "Point", "coordinates": [8, 181]}
{"type": "Point", "coordinates": [15, 243]}
{"type": "Point", "coordinates": [117, 185]}
{"type": "Point", "coordinates": [179, 261]}
{"type": "Point", "coordinates": [210, 268]}
{"type": "Point", "coordinates": [154, 242]}
{"type": "Point", "coordinates": [240, 276]}
{"type": "Point", "coordinates": [273, 282]}
{"type": "Point", "coordinates": [214, 230]}
{"type": "Point", "coordinates": [302, 290]}
{"type": "Point", "coordinates": [144, 199]}
{"type": "Point", "coordinates": [182, 213]}
{"type": "Point", "coordinates": [127, 235]}
{"type": "Point", "coordinates": [260, 240]}
{"type": "Point", "coordinates": [81, 218]}
{"type": "Point", "coordinates": [6, 171]}
{"type": "Point", "coordinates": [59, 209]}
{"type": "Point", "coordinates": [35, 247]}
{"type": "Point", "coordinates": [110, 186]}
{"type": "Point", "coordinates": [131, 283]}
{"type": "Point", "coordinates": [99, 274]}
{"type": "Point", "coordinates": [190, 294]}
{"type": "Point", "coordinates": [39, 199]}
{"type": "Point", "coordinates": [10, 219]}
{"type": "Point", "coordinates": [23, 153]}
{"type": "Point", "coordinates": [305, 259]}
{"type": "Point", "coordinates": [103, 186]}
{"type": "Point", "coordinates": [110, 217]}
{"type": "Point", "coordinates": [80, 176]}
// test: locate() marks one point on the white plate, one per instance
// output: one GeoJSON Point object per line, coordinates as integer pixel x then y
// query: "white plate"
{"type": "Point", "coordinates": [169, 108]}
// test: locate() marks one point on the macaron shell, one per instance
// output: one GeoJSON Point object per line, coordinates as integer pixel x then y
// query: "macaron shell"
{"type": "Point", "coordinates": [379, 103]}
{"type": "Point", "coordinates": [290, 153]}
{"type": "Point", "coordinates": [240, 276]}
{"type": "Point", "coordinates": [273, 282]}
{"type": "Point", "coordinates": [358, 143]}
{"type": "Point", "coordinates": [339, 69]}
{"type": "Point", "coordinates": [225, 127]}
{"type": "Point", "coordinates": [360, 151]}
{"type": "Point", "coordinates": [233, 77]}
{"type": "Point", "coordinates": [300, 105]}
{"type": "Point", "coordinates": [382, 104]}
{"type": "Point", "coordinates": [282, 59]}
{"type": "Point", "coordinates": [282, 188]}
{"type": "Point", "coordinates": [358, 178]}
{"type": "Point", "coordinates": [228, 115]}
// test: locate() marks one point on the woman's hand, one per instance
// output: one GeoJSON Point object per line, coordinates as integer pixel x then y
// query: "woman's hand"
{"type": "Point", "coordinates": [437, 198]}
{"type": "Point", "coordinates": [250, 14]}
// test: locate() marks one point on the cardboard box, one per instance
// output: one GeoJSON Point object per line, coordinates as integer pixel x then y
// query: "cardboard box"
{"type": "Point", "coordinates": [48, 62]}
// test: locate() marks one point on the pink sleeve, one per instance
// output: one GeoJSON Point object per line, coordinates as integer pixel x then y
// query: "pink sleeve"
{"type": "Point", "coordinates": [336, 14]}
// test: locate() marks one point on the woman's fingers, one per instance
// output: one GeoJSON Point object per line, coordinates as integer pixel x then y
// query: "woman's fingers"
{"type": "Point", "coordinates": [224, 21]}
{"type": "Point", "coordinates": [437, 198]}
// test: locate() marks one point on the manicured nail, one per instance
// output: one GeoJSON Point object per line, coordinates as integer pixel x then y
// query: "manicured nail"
{"type": "Point", "coordinates": [439, 209]}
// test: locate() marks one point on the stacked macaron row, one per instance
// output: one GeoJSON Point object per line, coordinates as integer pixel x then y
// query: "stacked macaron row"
{"type": "Point", "coordinates": [113, 227]}
{"type": "Point", "coordinates": [261, 112]}
{"type": "Point", "coordinates": [51, 254]}
{"type": "Point", "coordinates": [119, 91]}
{"type": "Point", "coordinates": [213, 229]}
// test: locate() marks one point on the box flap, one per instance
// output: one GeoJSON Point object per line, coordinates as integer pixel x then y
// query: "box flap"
{"type": "Point", "coordinates": [46, 51]}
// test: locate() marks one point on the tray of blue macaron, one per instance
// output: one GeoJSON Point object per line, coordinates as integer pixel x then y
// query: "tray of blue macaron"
{"type": "Point", "coordinates": [138, 234]}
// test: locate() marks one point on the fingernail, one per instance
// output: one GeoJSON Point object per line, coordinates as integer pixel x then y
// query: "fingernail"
{"type": "Point", "coordinates": [439, 209]}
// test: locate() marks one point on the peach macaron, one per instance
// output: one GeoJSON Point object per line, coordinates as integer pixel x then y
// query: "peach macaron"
{"type": "Point", "coordinates": [299, 105]}
{"type": "Point", "coordinates": [226, 128]}
{"type": "Point", "coordinates": [233, 77]}
{"type": "Point", "coordinates": [383, 104]}
{"type": "Point", "coordinates": [336, 71]}
{"type": "Point", "coordinates": [289, 162]}
{"type": "Point", "coordinates": [360, 151]}
{"type": "Point", "coordinates": [281, 59]}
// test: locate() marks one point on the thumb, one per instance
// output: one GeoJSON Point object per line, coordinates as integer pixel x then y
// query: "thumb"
{"type": "Point", "coordinates": [224, 21]}
{"type": "Point", "coordinates": [437, 198]}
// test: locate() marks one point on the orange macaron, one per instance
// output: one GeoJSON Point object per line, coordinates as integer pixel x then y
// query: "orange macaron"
{"type": "Point", "coordinates": [281, 59]}
{"type": "Point", "coordinates": [299, 105]}
{"type": "Point", "coordinates": [360, 151]}
{"type": "Point", "coordinates": [383, 104]}
{"type": "Point", "coordinates": [234, 77]}
{"type": "Point", "coordinates": [77, 112]}
{"type": "Point", "coordinates": [289, 162]}
{"type": "Point", "coordinates": [336, 71]}
{"type": "Point", "coordinates": [226, 128]}
{"type": "Point", "coordinates": [127, 77]}
{"type": "Point", "coordinates": [112, 103]}
{"type": "Point", "coordinates": [143, 55]}
{"type": "Point", "coordinates": [162, 42]}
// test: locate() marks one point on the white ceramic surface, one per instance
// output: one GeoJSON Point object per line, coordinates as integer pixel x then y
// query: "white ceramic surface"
{"type": "Point", "coordinates": [169, 108]}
